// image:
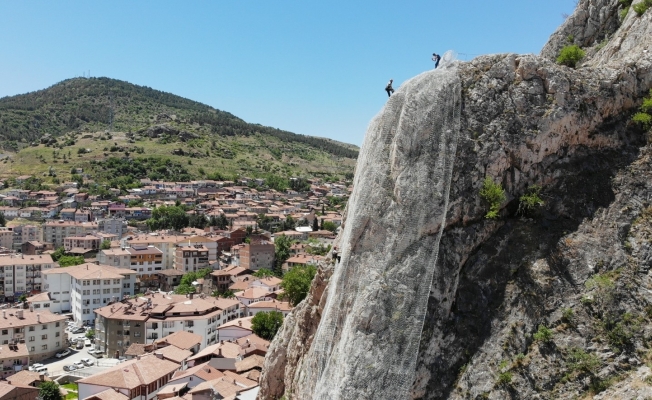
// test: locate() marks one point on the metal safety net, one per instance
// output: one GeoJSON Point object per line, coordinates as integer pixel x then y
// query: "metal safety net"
{"type": "Point", "coordinates": [368, 338]}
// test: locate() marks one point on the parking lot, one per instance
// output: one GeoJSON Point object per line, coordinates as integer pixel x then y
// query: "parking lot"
{"type": "Point", "coordinates": [55, 365]}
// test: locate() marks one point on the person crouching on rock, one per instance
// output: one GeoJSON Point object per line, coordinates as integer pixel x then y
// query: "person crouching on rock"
{"type": "Point", "coordinates": [389, 88]}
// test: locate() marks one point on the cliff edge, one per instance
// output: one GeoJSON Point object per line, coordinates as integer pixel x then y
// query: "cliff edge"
{"type": "Point", "coordinates": [553, 303]}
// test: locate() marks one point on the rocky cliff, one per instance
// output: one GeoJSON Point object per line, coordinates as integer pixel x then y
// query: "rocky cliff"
{"type": "Point", "coordinates": [550, 303]}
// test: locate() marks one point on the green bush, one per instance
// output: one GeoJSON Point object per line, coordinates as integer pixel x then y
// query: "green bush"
{"type": "Point", "coordinates": [543, 334]}
{"type": "Point", "coordinates": [570, 55]}
{"type": "Point", "coordinates": [505, 378]}
{"type": "Point", "coordinates": [623, 13]}
{"type": "Point", "coordinates": [531, 200]}
{"type": "Point", "coordinates": [581, 361]}
{"type": "Point", "coordinates": [641, 7]}
{"type": "Point", "coordinates": [494, 195]}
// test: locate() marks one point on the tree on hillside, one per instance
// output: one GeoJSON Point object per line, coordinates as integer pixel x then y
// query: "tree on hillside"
{"type": "Point", "coordinates": [263, 273]}
{"type": "Point", "coordinates": [49, 390]}
{"type": "Point", "coordinates": [315, 224]}
{"type": "Point", "coordinates": [266, 324]}
{"type": "Point", "coordinates": [106, 244]}
{"type": "Point", "coordinates": [296, 283]}
{"type": "Point", "coordinates": [3, 220]}
{"type": "Point", "coordinates": [185, 285]}
{"type": "Point", "coordinates": [330, 226]}
{"type": "Point", "coordinates": [168, 217]}
{"type": "Point", "coordinates": [282, 245]}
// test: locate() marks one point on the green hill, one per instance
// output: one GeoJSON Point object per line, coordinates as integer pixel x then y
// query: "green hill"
{"type": "Point", "coordinates": [82, 122]}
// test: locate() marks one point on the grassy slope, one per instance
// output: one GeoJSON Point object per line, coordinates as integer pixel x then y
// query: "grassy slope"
{"type": "Point", "coordinates": [76, 112]}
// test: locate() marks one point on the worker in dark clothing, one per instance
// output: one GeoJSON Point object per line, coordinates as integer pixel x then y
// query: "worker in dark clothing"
{"type": "Point", "coordinates": [389, 88]}
{"type": "Point", "coordinates": [436, 58]}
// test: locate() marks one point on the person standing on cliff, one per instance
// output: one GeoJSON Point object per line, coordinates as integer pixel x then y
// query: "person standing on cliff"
{"type": "Point", "coordinates": [436, 58]}
{"type": "Point", "coordinates": [389, 88]}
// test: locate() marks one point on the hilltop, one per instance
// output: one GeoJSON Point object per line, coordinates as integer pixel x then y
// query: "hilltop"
{"type": "Point", "coordinates": [83, 122]}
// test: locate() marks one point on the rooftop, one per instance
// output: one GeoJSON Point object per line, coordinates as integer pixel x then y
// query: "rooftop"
{"type": "Point", "coordinates": [133, 373]}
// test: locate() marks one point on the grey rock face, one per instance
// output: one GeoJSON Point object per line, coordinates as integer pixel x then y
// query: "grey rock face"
{"type": "Point", "coordinates": [592, 22]}
{"type": "Point", "coordinates": [525, 121]}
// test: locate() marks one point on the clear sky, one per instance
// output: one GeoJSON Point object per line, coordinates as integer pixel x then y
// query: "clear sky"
{"type": "Point", "coordinates": [311, 67]}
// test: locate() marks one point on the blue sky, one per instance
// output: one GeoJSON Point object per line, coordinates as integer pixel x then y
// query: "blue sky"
{"type": "Point", "coordinates": [311, 67]}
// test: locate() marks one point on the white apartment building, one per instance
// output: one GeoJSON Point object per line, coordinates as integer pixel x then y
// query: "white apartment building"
{"type": "Point", "coordinates": [119, 258]}
{"type": "Point", "coordinates": [88, 287]}
{"type": "Point", "coordinates": [21, 274]}
{"type": "Point", "coordinates": [165, 243]}
{"type": "Point", "coordinates": [43, 332]}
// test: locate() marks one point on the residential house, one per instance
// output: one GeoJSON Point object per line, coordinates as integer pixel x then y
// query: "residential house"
{"type": "Point", "coordinates": [43, 332]}
{"type": "Point", "coordinates": [138, 379]}
{"type": "Point", "coordinates": [14, 357]}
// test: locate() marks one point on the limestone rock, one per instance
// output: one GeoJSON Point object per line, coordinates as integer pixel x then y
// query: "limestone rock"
{"type": "Point", "coordinates": [525, 121]}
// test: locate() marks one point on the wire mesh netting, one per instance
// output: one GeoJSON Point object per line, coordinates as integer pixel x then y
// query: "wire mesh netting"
{"type": "Point", "coordinates": [368, 338]}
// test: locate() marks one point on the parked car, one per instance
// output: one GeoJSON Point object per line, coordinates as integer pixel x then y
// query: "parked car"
{"type": "Point", "coordinates": [87, 362]}
{"type": "Point", "coordinates": [78, 364]}
{"type": "Point", "coordinates": [63, 353]}
{"type": "Point", "coordinates": [69, 368]}
{"type": "Point", "coordinates": [88, 342]}
{"type": "Point", "coordinates": [35, 366]}
{"type": "Point", "coordinates": [80, 345]}
{"type": "Point", "coordinates": [79, 330]}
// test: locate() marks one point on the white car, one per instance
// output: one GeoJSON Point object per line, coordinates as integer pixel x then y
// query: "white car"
{"type": "Point", "coordinates": [63, 353]}
{"type": "Point", "coordinates": [36, 366]}
{"type": "Point", "coordinates": [87, 361]}
{"type": "Point", "coordinates": [78, 364]}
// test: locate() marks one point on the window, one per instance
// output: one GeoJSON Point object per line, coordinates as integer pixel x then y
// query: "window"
{"type": "Point", "coordinates": [31, 329]}
{"type": "Point", "coordinates": [116, 281]}
{"type": "Point", "coordinates": [106, 291]}
{"type": "Point", "coordinates": [107, 281]}
{"type": "Point", "coordinates": [119, 333]}
{"type": "Point", "coordinates": [56, 324]}
{"type": "Point", "coordinates": [31, 349]}
{"type": "Point", "coordinates": [56, 334]}
{"type": "Point", "coordinates": [44, 337]}
{"type": "Point", "coordinates": [44, 327]}
{"type": "Point", "coordinates": [5, 341]}
{"type": "Point", "coordinates": [5, 331]}
{"type": "Point", "coordinates": [116, 290]}
{"type": "Point", "coordinates": [31, 338]}
{"type": "Point", "coordinates": [58, 345]}
{"type": "Point", "coordinates": [44, 347]}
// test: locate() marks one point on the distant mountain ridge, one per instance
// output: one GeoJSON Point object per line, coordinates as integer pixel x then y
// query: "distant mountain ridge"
{"type": "Point", "coordinates": [97, 104]}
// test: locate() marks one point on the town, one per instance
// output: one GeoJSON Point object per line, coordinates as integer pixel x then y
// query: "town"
{"type": "Point", "coordinates": [166, 290]}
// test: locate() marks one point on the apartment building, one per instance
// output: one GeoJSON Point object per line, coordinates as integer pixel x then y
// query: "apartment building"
{"type": "Point", "coordinates": [146, 261]}
{"type": "Point", "coordinates": [165, 243]}
{"type": "Point", "coordinates": [26, 233]}
{"type": "Point", "coordinates": [88, 287]}
{"type": "Point", "coordinates": [6, 237]}
{"type": "Point", "coordinates": [21, 274]}
{"type": "Point", "coordinates": [256, 255]}
{"type": "Point", "coordinates": [42, 332]}
{"type": "Point", "coordinates": [205, 241]}
{"type": "Point", "coordinates": [190, 258]}
{"type": "Point", "coordinates": [14, 357]}
{"type": "Point", "coordinates": [56, 231]}
{"type": "Point", "coordinates": [86, 242]}
{"type": "Point", "coordinates": [120, 258]}
{"type": "Point", "coordinates": [148, 318]}
{"type": "Point", "coordinates": [115, 226]}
